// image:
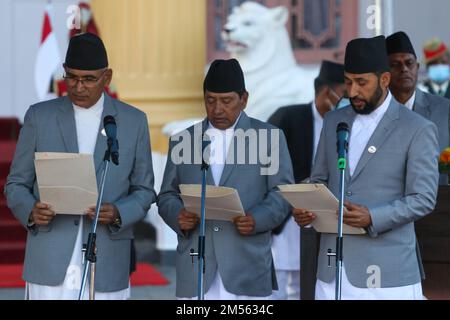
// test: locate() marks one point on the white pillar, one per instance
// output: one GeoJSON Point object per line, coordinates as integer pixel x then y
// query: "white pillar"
{"type": "Point", "coordinates": [388, 17]}
{"type": "Point", "coordinates": [378, 18]}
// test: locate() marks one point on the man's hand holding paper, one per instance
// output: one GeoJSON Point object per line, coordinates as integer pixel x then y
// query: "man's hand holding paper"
{"type": "Point", "coordinates": [107, 215]}
{"type": "Point", "coordinates": [188, 220]}
{"type": "Point", "coordinates": [245, 225]}
{"type": "Point", "coordinates": [315, 205]}
{"type": "Point", "coordinates": [42, 214]}
{"type": "Point", "coordinates": [221, 203]}
{"type": "Point", "coordinates": [303, 217]}
{"type": "Point", "coordinates": [356, 216]}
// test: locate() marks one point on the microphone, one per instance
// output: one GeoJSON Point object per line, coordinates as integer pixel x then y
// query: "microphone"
{"type": "Point", "coordinates": [342, 143]}
{"type": "Point", "coordinates": [109, 123]}
{"type": "Point", "coordinates": [205, 144]}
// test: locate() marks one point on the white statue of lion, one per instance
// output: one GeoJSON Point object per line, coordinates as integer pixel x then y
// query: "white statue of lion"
{"type": "Point", "coordinates": [257, 37]}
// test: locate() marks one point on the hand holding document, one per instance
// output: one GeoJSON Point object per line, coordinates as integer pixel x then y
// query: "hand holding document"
{"type": "Point", "coordinates": [221, 203]}
{"type": "Point", "coordinates": [66, 181]}
{"type": "Point", "coordinates": [318, 199]}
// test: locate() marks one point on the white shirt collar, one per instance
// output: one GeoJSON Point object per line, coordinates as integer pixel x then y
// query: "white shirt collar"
{"type": "Point", "coordinates": [410, 103]}
{"type": "Point", "coordinates": [379, 112]}
{"type": "Point", "coordinates": [87, 122]}
{"type": "Point", "coordinates": [316, 113]}
{"type": "Point", "coordinates": [443, 87]}
{"type": "Point", "coordinates": [318, 125]}
{"type": "Point", "coordinates": [220, 143]}
{"type": "Point", "coordinates": [97, 108]}
{"type": "Point", "coordinates": [210, 125]}
{"type": "Point", "coordinates": [362, 129]}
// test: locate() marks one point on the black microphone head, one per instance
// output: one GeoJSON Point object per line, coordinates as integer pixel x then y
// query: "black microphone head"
{"type": "Point", "coordinates": [108, 120]}
{"type": "Point", "coordinates": [109, 123]}
{"type": "Point", "coordinates": [342, 126]}
{"type": "Point", "coordinates": [342, 133]}
{"type": "Point", "coordinates": [206, 145]}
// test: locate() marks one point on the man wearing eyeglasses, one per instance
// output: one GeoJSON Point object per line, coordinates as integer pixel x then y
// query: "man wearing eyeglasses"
{"type": "Point", "coordinates": [53, 259]}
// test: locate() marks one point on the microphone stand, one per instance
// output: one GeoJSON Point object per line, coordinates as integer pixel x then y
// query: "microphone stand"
{"type": "Point", "coordinates": [342, 164]}
{"type": "Point", "coordinates": [90, 250]}
{"type": "Point", "coordinates": [201, 238]}
{"type": "Point", "coordinates": [339, 253]}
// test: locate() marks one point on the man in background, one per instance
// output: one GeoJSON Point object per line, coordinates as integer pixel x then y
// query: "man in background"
{"type": "Point", "coordinates": [295, 252]}
{"type": "Point", "coordinates": [437, 60]}
{"type": "Point", "coordinates": [404, 74]}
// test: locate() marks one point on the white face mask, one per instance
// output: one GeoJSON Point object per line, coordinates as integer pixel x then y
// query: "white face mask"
{"type": "Point", "coordinates": [439, 73]}
{"type": "Point", "coordinates": [342, 102]}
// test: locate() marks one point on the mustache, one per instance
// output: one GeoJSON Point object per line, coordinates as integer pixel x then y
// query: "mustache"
{"type": "Point", "coordinates": [358, 99]}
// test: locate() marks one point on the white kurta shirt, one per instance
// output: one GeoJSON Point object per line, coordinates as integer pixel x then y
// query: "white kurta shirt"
{"type": "Point", "coordinates": [410, 103]}
{"type": "Point", "coordinates": [318, 124]}
{"type": "Point", "coordinates": [87, 123]}
{"type": "Point", "coordinates": [220, 143]}
{"type": "Point", "coordinates": [361, 132]}
{"type": "Point", "coordinates": [326, 291]}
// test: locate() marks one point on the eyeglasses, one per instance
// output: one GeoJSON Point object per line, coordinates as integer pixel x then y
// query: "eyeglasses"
{"type": "Point", "coordinates": [88, 81]}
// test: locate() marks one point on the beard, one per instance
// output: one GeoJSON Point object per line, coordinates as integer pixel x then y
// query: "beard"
{"type": "Point", "coordinates": [370, 105]}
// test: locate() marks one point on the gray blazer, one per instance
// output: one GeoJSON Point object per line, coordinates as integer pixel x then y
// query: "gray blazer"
{"type": "Point", "coordinates": [50, 127]}
{"type": "Point", "coordinates": [437, 110]}
{"type": "Point", "coordinates": [244, 262]}
{"type": "Point", "coordinates": [398, 184]}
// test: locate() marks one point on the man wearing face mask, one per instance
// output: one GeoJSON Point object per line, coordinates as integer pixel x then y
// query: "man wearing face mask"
{"type": "Point", "coordinates": [404, 73]}
{"type": "Point", "coordinates": [302, 125]}
{"type": "Point", "coordinates": [391, 181]}
{"type": "Point", "coordinates": [437, 59]}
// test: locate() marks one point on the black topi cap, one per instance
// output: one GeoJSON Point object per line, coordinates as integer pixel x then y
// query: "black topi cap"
{"type": "Point", "coordinates": [225, 76]}
{"type": "Point", "coordinates": [331, 72]}
{"type": "Point", "coordinates": [86, 52]}
{"type": "Point", "coordinates": [399, 43]}
{"type": "Point", "coordinates": [366, 55]}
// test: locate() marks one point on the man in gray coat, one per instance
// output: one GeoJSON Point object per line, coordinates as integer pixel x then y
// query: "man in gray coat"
{"type": "Point", "coordinates": [53, 257]}
{"type": "Point", "coordinates": [391, 181]}
{"type": "Point", "coordinates": [404, 70]}
{"type": "Point", "coordinates": [238, 254]}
